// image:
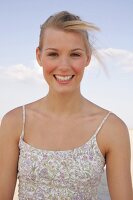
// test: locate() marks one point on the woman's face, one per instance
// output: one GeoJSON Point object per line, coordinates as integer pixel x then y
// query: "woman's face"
{"type": "Point", "coordinates": [63, 57]}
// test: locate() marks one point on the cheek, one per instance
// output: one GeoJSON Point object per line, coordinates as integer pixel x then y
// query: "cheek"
{"type": "Point", "coordinates": [79, 67]}
{"type": "Point", "coordinates": [48, 67]}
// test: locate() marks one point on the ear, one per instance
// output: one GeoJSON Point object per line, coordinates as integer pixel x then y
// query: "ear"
{"type": "Point", "coordinates": [38, 56]}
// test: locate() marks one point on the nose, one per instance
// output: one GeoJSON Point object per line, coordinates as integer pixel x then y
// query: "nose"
{"type": "Point", "coordinates": [64, 63]}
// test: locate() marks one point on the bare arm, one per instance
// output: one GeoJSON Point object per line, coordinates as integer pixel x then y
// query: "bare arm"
{"type": "Point", "coordinates": [9, 152]}
{"type": "Point", "coordinates": [118, 162]}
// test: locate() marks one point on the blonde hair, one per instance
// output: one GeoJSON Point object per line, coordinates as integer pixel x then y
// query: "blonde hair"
{"type": "Point", "coordinates": [68, 22]}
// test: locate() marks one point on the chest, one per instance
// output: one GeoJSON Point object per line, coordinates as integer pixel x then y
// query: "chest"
{"type": "Point", "coordinates": [56, 134]}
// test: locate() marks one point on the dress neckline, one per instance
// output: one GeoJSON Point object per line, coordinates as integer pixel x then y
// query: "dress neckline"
{"type": "Point", "coordinates": [74, 149]}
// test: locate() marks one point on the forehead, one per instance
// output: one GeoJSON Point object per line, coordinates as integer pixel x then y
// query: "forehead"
{"type": "Point", "coordinates": [58, 37]}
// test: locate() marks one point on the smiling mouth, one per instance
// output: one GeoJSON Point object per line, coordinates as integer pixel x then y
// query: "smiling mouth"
{"type": "Point", "coordinates": [63, 78]}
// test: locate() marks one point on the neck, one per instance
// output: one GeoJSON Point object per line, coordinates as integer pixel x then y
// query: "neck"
{"type": "Point", "coordinates": [64, 104]}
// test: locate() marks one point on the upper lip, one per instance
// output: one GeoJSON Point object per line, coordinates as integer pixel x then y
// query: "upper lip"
{"type": "Point", "coordinates": [63, 74]}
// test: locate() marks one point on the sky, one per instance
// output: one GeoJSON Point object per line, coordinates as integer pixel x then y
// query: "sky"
{"type": "Point", "coordinates": [21, 79]}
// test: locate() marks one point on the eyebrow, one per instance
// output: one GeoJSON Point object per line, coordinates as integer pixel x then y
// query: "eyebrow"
{"type": "Point", "coordinates": [71, 50]}
{"type": "Point", "coordinates": [78, 49]}
{"type": "Point", "coordinates": [51, 49]}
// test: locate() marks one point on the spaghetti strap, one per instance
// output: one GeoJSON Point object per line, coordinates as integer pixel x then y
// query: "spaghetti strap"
{"type": "Point", "coordinates": [23, 121]}
{"type": "Point", "coordinates": [101, 124]}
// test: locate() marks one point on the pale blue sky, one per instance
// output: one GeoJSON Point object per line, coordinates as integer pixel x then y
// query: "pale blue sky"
{"type": "Point", "coordinates": [20, 21]}
{"type": "Point", "coordinates": [19, 32]}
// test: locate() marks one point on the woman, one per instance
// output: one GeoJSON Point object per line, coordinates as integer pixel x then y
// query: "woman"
{"type": "Point", "coordinates": [58, 146]}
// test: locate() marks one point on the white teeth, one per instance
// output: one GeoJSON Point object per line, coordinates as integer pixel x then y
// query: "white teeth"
{"type": "Point", "coordinates": [63, 78]}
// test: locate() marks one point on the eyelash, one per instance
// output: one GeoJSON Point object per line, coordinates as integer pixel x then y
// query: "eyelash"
{"type": "Point", "coordinates": [76, 54]}
{"type": "Point", "coordinates": [52, 54]}
{"type": "Point", "coordinates": [73, 54]}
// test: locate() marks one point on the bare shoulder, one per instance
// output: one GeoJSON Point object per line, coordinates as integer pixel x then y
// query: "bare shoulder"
{"type": "Point", "coordinates": [11, 124]}
{"type": "Point", "coordinates": [117, 134]}
{"type": "Point", "coordinates": [117, 126]}
{"type": "Point", "coordinates": [35, 105]}
{"type": "Point", "coordinates": [114, 127]}
{"type": "Point", "coordinates": [10, 130]}
{"type": "Point", "coordinates": [118, 158]}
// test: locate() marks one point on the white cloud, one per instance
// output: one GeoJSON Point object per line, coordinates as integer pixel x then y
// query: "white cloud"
{"type": "Point", "coordinates": [20, 84]}
{"type": "Point", "coordinates": [120, 58]}
{"type": "Point", "coordinates": [20, 72]}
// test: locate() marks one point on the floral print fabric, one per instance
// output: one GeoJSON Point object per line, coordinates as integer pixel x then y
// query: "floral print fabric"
{"type": "Point", "coordinates": [60, 175]}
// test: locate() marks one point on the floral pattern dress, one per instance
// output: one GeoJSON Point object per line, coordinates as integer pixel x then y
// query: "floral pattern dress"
{"type": "Point", "coordinates": [60, 175]}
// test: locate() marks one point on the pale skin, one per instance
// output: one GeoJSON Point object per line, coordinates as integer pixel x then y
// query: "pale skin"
{"type": "Point", "coordinates": [75, 118]}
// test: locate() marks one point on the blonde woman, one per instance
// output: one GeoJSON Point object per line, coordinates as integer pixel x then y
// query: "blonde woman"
{"type": "Point", "coordinates": [58, 146]}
